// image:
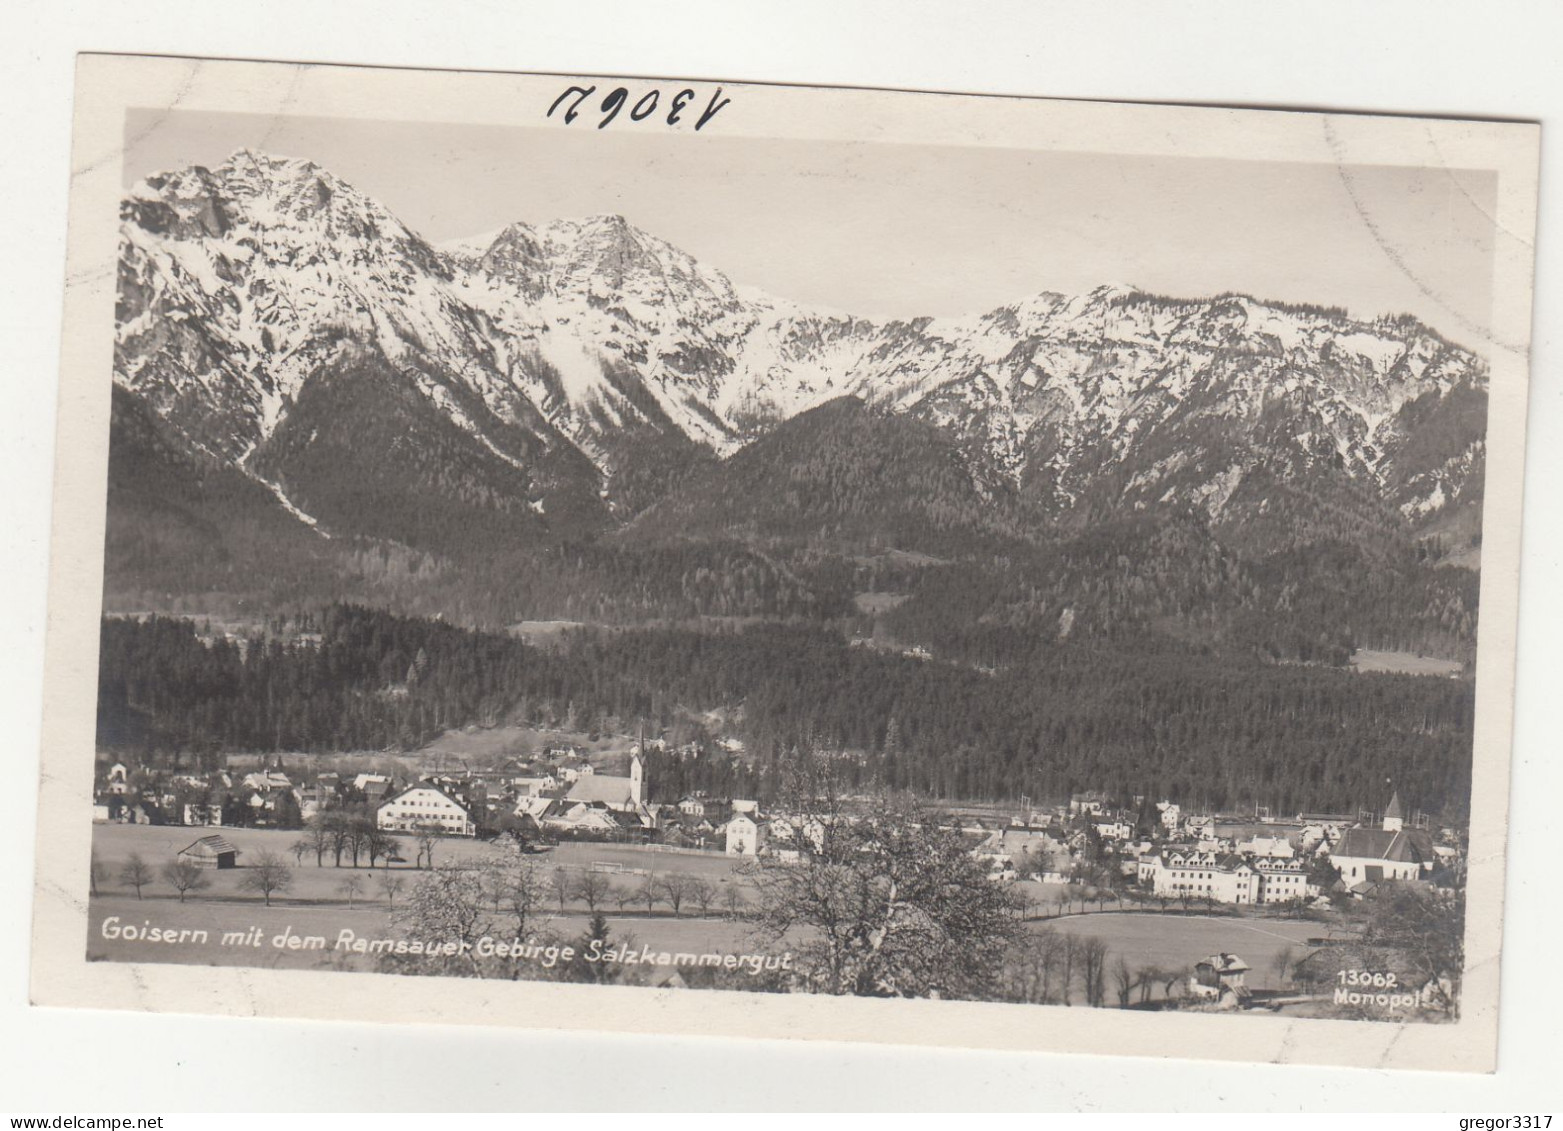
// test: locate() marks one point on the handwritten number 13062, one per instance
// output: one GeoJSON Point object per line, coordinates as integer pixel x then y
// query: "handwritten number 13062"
{"type": "Point", "coordinates": [643, 107]}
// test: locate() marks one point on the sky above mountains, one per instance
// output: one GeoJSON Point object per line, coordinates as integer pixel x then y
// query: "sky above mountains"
{"type": "Point", "coordinates": [895, 230]}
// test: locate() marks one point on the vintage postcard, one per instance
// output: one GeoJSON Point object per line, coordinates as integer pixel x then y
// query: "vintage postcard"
{"type": "Point", "coordinates": [680, 556]}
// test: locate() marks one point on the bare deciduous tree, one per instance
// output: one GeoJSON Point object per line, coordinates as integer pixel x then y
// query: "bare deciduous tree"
{"type": "Point", "coordinates": [649, 891]}
{"type": "Point", "coordinates": [428, 841]}
{"type": "Point", "coordinates": [1032, 966]}
{"type": "Point", "coordinates": [703, 893]}
{"type": "Point", "coordinates": [592, 888]}
{"type": "Point", "coordinates": [135, 873]}
{"type": "Point", "coordinates": [733, 900]}
{"type": "Point", "coordinates": [316, 839]}
{"type": "Point", "coordinates": [1069, 959]}
{"type": "Point", "coordinates": [337, 828]}
{"type": "Point", "coordinates": [1093, 970]}
{"type": "Point", "coordinates": [1281, 965]}
{"type": "Point", "coordinates": [268, 876]}
{"type": "Point", "coordinates": [391, 886]}
{"type": "Point", "coordinates": [185, 876]}
{"type": "Point", "coordinates": [360, 831]}
{"type": "Point", "coordinates": [675, 889]}
{"type": "Point", "coordinates": [1426, 927]}
{"type": "Point", "coordinates": [352, 887]}
{"type": "Point", "coordinates": [1124, 981]}
{"type": "Point", "coordinates": [495, 881]}
{"type": "Point", "coordinates": [379, 844]}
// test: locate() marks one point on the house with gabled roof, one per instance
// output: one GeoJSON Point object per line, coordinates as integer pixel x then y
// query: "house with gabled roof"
{"type": "Point", "coordinates": [579, 817]}
{"type": "Point", "coordinates": [534, 786]}
{"type": "Point", "coordinates": [425, 806]}
{"type": "Point", "coordinates": [743, 835]}
{"type": "Point", "coordinates": [534, 807]}
{"type": "Point", "coordinates": [1220, 978]}
{"type": "Point", "coordinates": [1266, 847]}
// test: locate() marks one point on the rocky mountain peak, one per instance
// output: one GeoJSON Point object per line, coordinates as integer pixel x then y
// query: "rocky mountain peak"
{"type": "Point", "coordinates": [240, 284]}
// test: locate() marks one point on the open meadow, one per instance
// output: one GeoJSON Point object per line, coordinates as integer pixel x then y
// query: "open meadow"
{"type": "Point", "coordinates": [1174, 942]}
{"type": "Point", "coordinates": [317, 903]}
{"type": "Point", "coordinates": [158, 844]}
{"type": "Point", "coordinates": [1406, 663]}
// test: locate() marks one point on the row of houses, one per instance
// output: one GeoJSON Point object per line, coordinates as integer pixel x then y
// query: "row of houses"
{"type": "Point", "coordinates": [590, 803]}
{"type": "Point", "coordinates": [1231, 860]}
{"type": "Point", "coordinates": [264, 798]}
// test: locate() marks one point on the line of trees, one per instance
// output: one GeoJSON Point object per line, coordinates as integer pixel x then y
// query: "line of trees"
{"type": "Point", "coordinates": [350, 833]}
{"type": "Point", "coordinates": [267, 875]}
{"type": "Point", "coordinates": [1050, 967]}
{"type": "Point", "coordinates": [184, 876]}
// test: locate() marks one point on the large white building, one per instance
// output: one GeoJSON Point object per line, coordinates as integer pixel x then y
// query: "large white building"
{"type": "Point", "coordinates": [422, 807]}
{"type": "Point", "coordinates": [1222, 876]}
{"type": "Point", "coordinates": [1281, 881]}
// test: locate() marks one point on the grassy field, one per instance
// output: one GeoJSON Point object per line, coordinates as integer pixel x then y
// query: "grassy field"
{"type": "Point", "coordinates": [158, 844]}
{"type": "Point", "coordinates": [1175, 941]}
{"type": "Point", "coordinates": [714, 866]}
{"type": "Point", "coordinates": [316, 904]}
{"type": "Point", "coordinates": [877, 602]}
{"type": "Point", "coordinates": [489, 747]}
{"type": "Point", "coordinates": [1407, 663]}
{"type": "Point", "coordinates": [542, 631]}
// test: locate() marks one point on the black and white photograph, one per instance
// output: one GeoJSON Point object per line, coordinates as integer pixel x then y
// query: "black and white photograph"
{"type": "Point", "coordinates": [1058, 558]}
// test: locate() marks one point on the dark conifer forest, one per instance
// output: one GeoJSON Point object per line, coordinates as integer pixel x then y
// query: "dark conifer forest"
{"type": "Point", "coordinates": [1143, 715]}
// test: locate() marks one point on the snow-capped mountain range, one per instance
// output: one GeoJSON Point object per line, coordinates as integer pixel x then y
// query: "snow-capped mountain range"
{"type": "Point", "coordinates": [547, 357]}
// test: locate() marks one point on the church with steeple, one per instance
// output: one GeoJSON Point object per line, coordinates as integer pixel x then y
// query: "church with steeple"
{"type": "Point", "coordinates": [1367, 856]}
{"type": "Point", "coordinates": [1394, 816]}
{"type": "Point", "coordinates": [621, 794]}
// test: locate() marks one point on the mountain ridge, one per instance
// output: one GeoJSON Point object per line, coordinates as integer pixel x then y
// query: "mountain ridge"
{"type": "Point", "coordinates": [578, 377]}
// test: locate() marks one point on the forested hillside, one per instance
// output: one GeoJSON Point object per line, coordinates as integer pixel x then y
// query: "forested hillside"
{"type": "Point", "coordinates": [1154, 718]}
{"type": "Point", "coordinates": [844, 477]}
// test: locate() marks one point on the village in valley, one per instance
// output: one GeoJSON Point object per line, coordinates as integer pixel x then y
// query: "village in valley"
{"type": "Point", "coordinates": [549, 604]}
{"type": "Point", "coordinates": [1132, 901]}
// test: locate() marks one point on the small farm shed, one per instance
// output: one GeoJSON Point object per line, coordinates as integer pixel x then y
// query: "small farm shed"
{"type": "Point", "coordinates": [212, 852]}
